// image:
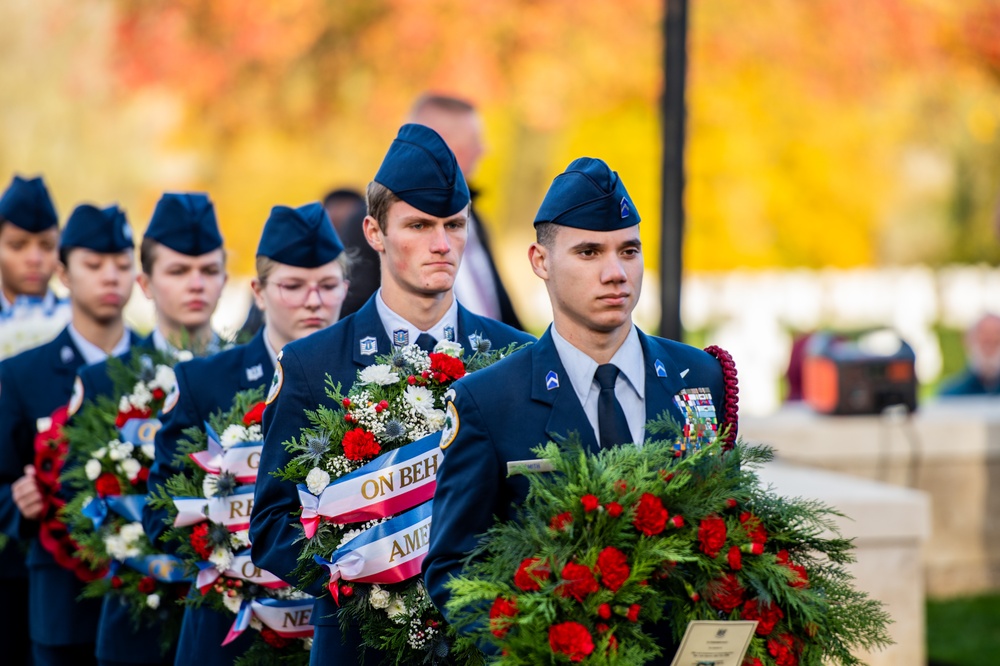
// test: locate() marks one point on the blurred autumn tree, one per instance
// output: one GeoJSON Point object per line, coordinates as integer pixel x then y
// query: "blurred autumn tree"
{"type": "Point", "coordinates": [829, 132]}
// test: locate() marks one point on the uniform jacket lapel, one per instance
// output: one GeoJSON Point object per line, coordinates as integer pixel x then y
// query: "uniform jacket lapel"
{"type": "Point", "coordinates": [566, 413]}
{"type": "Point", "coordinates": [66, 358]}
{"type": "Point", "coordinates": [367, 326]}
{"type": "Point", "coordinates": [663, 380]}
{"type": "Point", "coordinates": [254, 355]}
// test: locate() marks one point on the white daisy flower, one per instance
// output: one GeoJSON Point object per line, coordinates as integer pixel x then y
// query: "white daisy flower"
{"type": "Point", "coordinates": [240, 539]}
{"type": "Point", "coordinates": [420, 398]}
{"type": "Point", "coordinates": [378, 374]}
{"type": "Point", "coordinates": [149, 450]}
{"type": "Point", "coordinates": [448, 347]}
{"type": "Point", "coordinates": [233, 434]}
{"type": "Point", "coordinates": [396, 609]}
{"type": "Point", "coordinates": [222, 558]}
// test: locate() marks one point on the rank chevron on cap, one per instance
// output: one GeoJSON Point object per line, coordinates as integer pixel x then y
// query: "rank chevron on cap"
{"type": "Point", "coordinates": [551, 380]}
{"type": "Point", "coordinates": [623, 206]}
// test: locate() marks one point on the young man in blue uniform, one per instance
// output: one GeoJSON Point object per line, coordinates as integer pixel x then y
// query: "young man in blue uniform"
{"type": "Point", "coordinates": [183, 271]}
{"type": "Point", "coordinates": [417, 214]}
{"type": "Point", "coordinates": [300, 285]}
{"type": "Point", "coordinates": [593, 372]}
{"type": "Point", "coordinates": [97, 266]}
{"type": "Point", "coordinates": [30, 313]}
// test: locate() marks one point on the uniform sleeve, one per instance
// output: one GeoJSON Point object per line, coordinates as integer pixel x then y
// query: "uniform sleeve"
{"type": "Point", "coordinates": [272, 529]}
{"type": "Point", "coordinates": [16, 451]}
{"type": "Point", "coordinates": [182, 416]}
{"type": "Point", "coordinates": [466, 499]}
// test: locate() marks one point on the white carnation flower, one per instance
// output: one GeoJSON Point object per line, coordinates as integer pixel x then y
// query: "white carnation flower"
{"type": "Point", "coordinates": [132, 532]}
{"type": "Point", "coordinates": [165, 379]}
{"type": "Point", "coordinates": [420, 398]}
{"type": "Point", "coordinates": [378, 374]}
{"type": "Point", "coordinates": [92, 469]}
{"type": "Point", "coordinates": [99, 453]}
{"type": "Point", "coordinates": [254, 433]}
{"type": "Point", "coordinates": [222, 558]}
{"type": "Point", "coordinates": [378, 597]}
{"type": "Point", "coordinates": [448, 347]}
{"type": "Point", "coordinates": [141, 396]}
{"type": "Point", "coordinates": [233, 434]}
{"type": "Point", "coordinates": [130, 467]}
{"type": "Point", "coordinates": [317, 480]}
{"type": "Point", "coordinates": [124, 405]}
{"type": "Point", "coordinates": [153, 601]}
{"type": "Point", "coordinates": [149, 450]}
{"type": "Point", "coordinates": [119, 450]}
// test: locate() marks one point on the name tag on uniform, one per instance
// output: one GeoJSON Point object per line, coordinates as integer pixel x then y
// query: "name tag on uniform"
{"type": "Point", "coordinates": [515, 467]}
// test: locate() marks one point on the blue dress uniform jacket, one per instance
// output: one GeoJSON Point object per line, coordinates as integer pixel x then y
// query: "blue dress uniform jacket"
{"type": "Point", "coordinates": [204, 386]}
{"type": "Point", "coordinates": [340, 351]}
{"type": "Point", "coordinates": [472, 481]}
{"type": "Point", "coordinates": [33, 384]}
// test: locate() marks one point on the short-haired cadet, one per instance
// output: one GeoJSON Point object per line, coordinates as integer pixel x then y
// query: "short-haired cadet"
{"type": "Point", "coordinates": [97, 267]}
{"type": "Point", "coordinates": [183, 270]}
{"type": "Point", "coordinates": [30, 313]}
{"type": "Point", "coordinates": [300, 286]}
{"type": "Point", "coordinates": [593, 372]}
{"type": "Point", "coordinates": [417, 214]}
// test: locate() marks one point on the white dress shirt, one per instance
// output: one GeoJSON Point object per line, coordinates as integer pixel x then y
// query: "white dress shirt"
{"type": "Point", "coordinates": [402, 332]}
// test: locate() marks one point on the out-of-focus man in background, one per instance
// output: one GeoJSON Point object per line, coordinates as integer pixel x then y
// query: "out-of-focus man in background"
{"type": "Point", "coordinates": [478, 285]}
{"type": "Point", "coordinates": [982, 372]}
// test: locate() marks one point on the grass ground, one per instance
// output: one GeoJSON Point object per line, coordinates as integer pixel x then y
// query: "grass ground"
{"type": "Point", "coordinates": [964, 631]}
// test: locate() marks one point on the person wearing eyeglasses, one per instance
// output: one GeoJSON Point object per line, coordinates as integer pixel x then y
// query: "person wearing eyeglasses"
{"type": "Point", "coordinates": [300, 286]}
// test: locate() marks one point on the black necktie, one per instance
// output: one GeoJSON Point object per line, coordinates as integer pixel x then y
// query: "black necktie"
{"type": "Point", "coordinates": [611, 423]}
{"type": "Point", "coordinates": [426, 342]}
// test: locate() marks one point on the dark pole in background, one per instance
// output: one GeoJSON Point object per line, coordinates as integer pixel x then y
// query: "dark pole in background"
{"type": "Point", "coordinates": [672, 110]}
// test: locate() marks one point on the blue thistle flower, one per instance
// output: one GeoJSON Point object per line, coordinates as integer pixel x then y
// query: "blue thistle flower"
{"type": "Point", "coordinates": [394, 429]}
{"type": "Point", "coordinates": [225, 485]}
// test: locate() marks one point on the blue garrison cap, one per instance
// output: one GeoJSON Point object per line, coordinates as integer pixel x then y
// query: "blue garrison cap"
{"type": "Point", "coordinates": [185, 223]}
{"type": "Point", "coordinates": [588, 195]}
{"type": "Point", "coordinates": [302, 236]}
{"type": "Point", "coordinates": [27, 204]}
{"type": "Point", "coordinates": [101, 230]}
{"type": "Point", "coordinates": [421, 170]}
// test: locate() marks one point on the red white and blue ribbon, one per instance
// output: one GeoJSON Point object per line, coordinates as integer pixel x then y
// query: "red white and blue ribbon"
{"type": "Point", "coordinates": [139, 431]}
{"type": "Point", "coordinates": [233, 511]}
{"type": "Point", "coordinates": [389, 552]}
{"type": "Point", "coordinates": [243, 568]}
{"type": "Point", "coordinates": [290, 618]}
{"type": "Point", "coordinates": [241, 460]}
{"type": "Point", "coordinates": [394, 482]}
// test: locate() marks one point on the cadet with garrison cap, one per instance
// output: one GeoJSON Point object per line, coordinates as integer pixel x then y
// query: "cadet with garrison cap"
{"type": "Point", "coordinates": [30, 313]}
{"type": "Point", "coordinates": [97, 267]}
{"type": "Point", "coordinates": [593, 372]}
{"type": "Point", "coordinates": [417, 215]}
{"type": "Point", "coordinates": [300, 285]}
{"type": "Point", "coordinates": [183, 271]}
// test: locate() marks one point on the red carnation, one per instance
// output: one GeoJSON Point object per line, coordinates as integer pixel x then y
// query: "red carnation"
{"type": "Point", "coordinates": [753, 527]}
{"type": "Point", "coordinates": [633, 612]}
{"type": "Point", "coordinates": [802, 576]}
{"type": "Point", "coordinates": [712, 535]}
{"type": "Point", "coordinates": [446, 368]}
{"type": "Point", "coordinates": [650, 516]}
{"type": "Point", "coordinates": [612, 565]}
{"type": "Point", "coordinates": [146, 585]}
{"type": "Point", "coordinates": [255, 416]}
{"type": "Point", "coordinates": [735, 558]}
{"type": "Point", "coordinates": [501, 615]}
{"type": "Point", "coordinates": [614, 509]}
{"type": "Point", "coordinates": [107, 484]}
{"type": "Point", "coordinates": [767, 615]}
{"type": "Point", "coordinates": [359, 444]}
{"type": "Point", "coordinates": [783, 650]}
{"type": "Point", "coordinates": [530, 574]}
{"type": "Point", "coordinates": [571, 639]}
{"type": "Point", "coordinates": [274, 639]}
{"type": "Point", "coordinates": [590, 503]}
{"type": "Point", "coordinates": [726, 593]}
{"type": "Point", "coordinates": [199, 541]}
{"type": "Point", "coordinates": [578, 581]}
{"type": "Point", "coordinates": [604, 611]}
{"type": "Point", "coordinates": [560, 522]}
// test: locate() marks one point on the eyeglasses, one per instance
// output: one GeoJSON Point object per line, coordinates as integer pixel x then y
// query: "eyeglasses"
{"type": "Point", "coordinates": [296, 294]}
